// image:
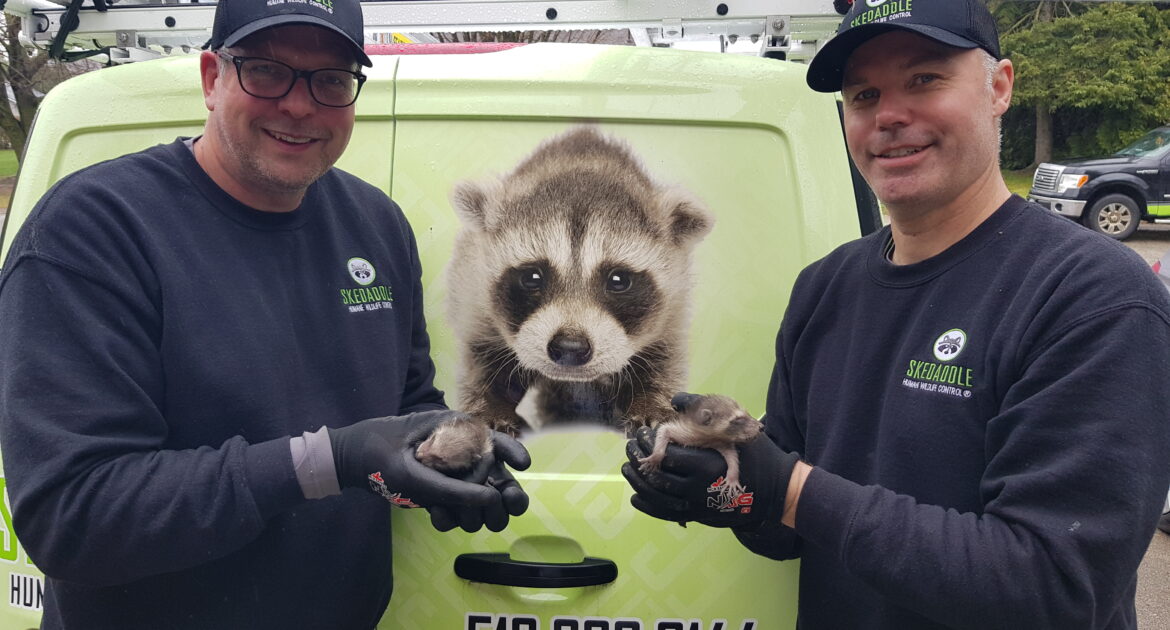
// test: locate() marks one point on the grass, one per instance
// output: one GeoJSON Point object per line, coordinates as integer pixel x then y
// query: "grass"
{"type": "Point", "coordinates": [7, 169]}
{"type": "Point", "coordinates": [7, 163]}
{"type": "Point", "coordinates": [1018, 182]}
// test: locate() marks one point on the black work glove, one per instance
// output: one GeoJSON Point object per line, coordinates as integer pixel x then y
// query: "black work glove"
{"type": "Point", "coordinates": [379, 454]}
{"type": "Point", "coordinates": [492, 472]}
{"type": "Point", "coordinates": [690, 487]}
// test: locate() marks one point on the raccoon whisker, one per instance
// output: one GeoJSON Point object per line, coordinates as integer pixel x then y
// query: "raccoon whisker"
{"type": "Point", "coordinates": [646, 367]}
{"type": "Point", "coordinates": [499, 363]}
{"type": "Point", "coordinates": [497, 355]}
{"type": "Point", "coordinates": [651, 355]}
{"type": "Point", "coordinates": [636, 384]}
{"type": "Point", "coordinates": [614, 386]}
{"type": "Point", "coordinates": [499, 359]}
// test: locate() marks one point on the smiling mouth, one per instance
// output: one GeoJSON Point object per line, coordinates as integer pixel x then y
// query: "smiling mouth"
{"type": "Point", "coordinates": [897, 153]}
{"type": "Point", "coordinates": [289, 139]}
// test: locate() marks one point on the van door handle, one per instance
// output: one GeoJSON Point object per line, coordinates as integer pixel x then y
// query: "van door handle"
{"type": "Point", "coordinates": [500, 568]}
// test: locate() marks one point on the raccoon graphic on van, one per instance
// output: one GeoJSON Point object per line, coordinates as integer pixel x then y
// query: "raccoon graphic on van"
{"type": "Point", "coordinates": [569, 288]}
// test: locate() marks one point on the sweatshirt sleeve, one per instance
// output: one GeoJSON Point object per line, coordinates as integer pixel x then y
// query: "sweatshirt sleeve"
{"type": "Point", "coordinates": [419, 392]}
{"type": "Point", "coordinates": [1076, 474]}
{"type": "Point", "coordinates": [96, 497]}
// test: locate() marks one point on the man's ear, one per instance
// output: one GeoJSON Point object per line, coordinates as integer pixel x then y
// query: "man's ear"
{"type": "Point", "coordinates": [1001, 87]}
{"type": "Point", "coordinates": [209, 74]}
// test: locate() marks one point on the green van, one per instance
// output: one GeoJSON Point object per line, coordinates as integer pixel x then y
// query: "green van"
{"type": "Point", "coordinates": [743, 135]}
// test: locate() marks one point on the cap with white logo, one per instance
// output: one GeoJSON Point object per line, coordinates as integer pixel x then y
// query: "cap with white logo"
{"type": "Point", "coordinates": [958, 23]}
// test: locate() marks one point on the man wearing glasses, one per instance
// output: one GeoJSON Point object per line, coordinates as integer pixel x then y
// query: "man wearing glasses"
{"type": "Point", "coordinates": [206, 341]}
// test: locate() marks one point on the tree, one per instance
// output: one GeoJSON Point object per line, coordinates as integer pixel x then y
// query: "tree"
{"type": "Point", "coordinates": [1017, 17]}
{"type": "Point", "coordinates": [1107, 67]}
{"type": "Point", "coordinates": [26, 73]}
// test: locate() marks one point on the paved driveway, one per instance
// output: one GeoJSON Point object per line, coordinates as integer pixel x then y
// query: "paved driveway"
{"type": "Point", "coordinates": [1151, 242]}
{"type": "Point", "coordinates": [1153, 594]}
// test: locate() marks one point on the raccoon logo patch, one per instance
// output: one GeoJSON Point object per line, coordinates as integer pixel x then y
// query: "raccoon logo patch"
{"type": "Point", "coordinates": [949, 344]}
{"type": "Point", "coordinates": [361, 270]}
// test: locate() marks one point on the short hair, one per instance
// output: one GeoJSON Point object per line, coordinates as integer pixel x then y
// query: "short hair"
{"type": "Point", "coordinates": [991, 67]}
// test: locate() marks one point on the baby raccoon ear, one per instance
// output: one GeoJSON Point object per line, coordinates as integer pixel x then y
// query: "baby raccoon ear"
{"type": "Point", "coordinates": [705, 416]}
{"type": "Point", "coordinates": [688, 221]}
{"type": "Point", "coordinates": [473, 201]}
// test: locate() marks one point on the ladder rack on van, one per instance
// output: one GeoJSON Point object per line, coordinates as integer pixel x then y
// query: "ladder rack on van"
{"type": "Point", "coordinates": [132, 31]}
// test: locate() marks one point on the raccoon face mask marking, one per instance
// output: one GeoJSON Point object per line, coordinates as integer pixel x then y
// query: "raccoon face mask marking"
{"type": "Point", "coordinates": [523, 289]}
{"type": "Point", "coordinates": [630, 296]}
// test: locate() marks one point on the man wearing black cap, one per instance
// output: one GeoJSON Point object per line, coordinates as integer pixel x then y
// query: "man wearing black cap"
{"type": "Point", "coordinates": [963, 386]}
{"type": "Point", "coordinates": [203, 342]}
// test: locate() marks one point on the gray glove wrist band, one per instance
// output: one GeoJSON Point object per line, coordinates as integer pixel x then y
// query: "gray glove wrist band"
{"type": "Point", "coordinates": [312, 458]}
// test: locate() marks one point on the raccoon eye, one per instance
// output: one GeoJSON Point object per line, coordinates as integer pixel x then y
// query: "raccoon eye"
{"type": "Point", "coordinates": [619, 281]}
{"type": "Point", "coordinates": [531, 278]}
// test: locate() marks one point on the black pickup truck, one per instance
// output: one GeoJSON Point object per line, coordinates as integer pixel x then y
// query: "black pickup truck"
{"type": "Point", "coordinates": [1111, 195]}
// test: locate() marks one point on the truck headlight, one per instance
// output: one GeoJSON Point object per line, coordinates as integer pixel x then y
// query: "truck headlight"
{"type": "Point", "coordinates": [1072, 180]}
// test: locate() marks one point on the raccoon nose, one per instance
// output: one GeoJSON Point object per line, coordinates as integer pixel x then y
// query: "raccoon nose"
{"type": "Point", "coordinates": [569, 350]}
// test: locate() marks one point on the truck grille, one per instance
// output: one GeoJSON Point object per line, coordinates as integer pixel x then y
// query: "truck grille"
{"type": "Point", "coordinates": [1046, 177]}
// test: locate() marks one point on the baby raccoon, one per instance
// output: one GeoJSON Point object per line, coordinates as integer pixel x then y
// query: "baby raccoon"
{"type": "Point", "coordinates": [715, 422]}
{"type": "Point", "coordinates": [455, 446]}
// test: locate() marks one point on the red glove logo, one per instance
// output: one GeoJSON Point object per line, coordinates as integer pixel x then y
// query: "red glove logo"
{"type": "Point", "coordinates": [724, 497]}
{"type": "Point", "coordinates": [395, 498]}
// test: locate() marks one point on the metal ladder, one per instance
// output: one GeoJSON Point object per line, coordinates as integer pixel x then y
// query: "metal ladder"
{"type": "Point", "coordinates": [130, 30]}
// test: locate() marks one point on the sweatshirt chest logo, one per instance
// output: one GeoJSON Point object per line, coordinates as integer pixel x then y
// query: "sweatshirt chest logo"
{"type": "Point", "coordinates": [366, 296]}
{"type": "Point", "coordinates": [949, 344]}
{"type": "Point", "coordinates": [361, 270]}
{"type": "Point", "coordinates": [943, 375]}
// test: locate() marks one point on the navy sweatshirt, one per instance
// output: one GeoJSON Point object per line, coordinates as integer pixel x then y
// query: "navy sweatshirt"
{"type": "Point", "coordinates": [990, 429]}
{"type": "Point", "coordinates": [162, 342]}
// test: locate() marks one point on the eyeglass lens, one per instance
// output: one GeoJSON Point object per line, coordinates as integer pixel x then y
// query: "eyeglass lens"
{"type": "Point", "coordinates": [271, 79]}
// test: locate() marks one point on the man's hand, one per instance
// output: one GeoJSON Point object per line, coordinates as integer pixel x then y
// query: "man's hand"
{"type": "Point", "coordinates": [379, 454]}
{"type": "Point", "coordinates": [690, 485]}
{"type": "Point", "coordinates": [491, 471]}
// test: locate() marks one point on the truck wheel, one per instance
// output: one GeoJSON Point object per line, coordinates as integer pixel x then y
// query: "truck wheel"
{"type": "Point", "coordinates": [1116, 216]}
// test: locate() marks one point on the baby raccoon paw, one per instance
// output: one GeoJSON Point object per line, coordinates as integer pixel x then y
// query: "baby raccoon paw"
{"type": "Point", "coordinates": [733, 486]}
{"type": "Point", "coordinates": [649, 464]}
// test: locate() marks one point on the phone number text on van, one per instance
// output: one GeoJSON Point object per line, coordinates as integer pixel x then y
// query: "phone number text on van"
{"type": "Point", "coordinates": [486, 621]}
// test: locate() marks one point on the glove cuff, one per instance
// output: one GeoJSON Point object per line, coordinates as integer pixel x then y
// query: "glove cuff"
{"type": "Point", "coordinates": [312, 455]}
{"type": "Point", "coordinates": [783, 477]}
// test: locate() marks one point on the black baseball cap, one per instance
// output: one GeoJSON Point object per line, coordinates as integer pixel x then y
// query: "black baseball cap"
{"type": "Point", "coordinates": [959, 23]}
{"type": "Point", "coordinates": [237, 19]}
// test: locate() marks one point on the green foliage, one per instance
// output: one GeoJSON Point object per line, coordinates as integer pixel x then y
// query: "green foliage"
{"type": "Point", "coordinates": [1019, 138]}
{"type": "Point", "coordinates": [1019, 182]}
{"type": "Point", "coordinates": [1103, 70]}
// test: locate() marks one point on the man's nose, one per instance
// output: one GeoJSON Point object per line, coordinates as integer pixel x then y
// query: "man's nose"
{"type": "Point", "coordinates": [299, 102]}
{"type": "Point", "coordinates": [893, 110]}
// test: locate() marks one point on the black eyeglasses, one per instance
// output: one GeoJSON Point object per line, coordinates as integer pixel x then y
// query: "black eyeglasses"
{"type": "Point", "coordinates": [268, 78]}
